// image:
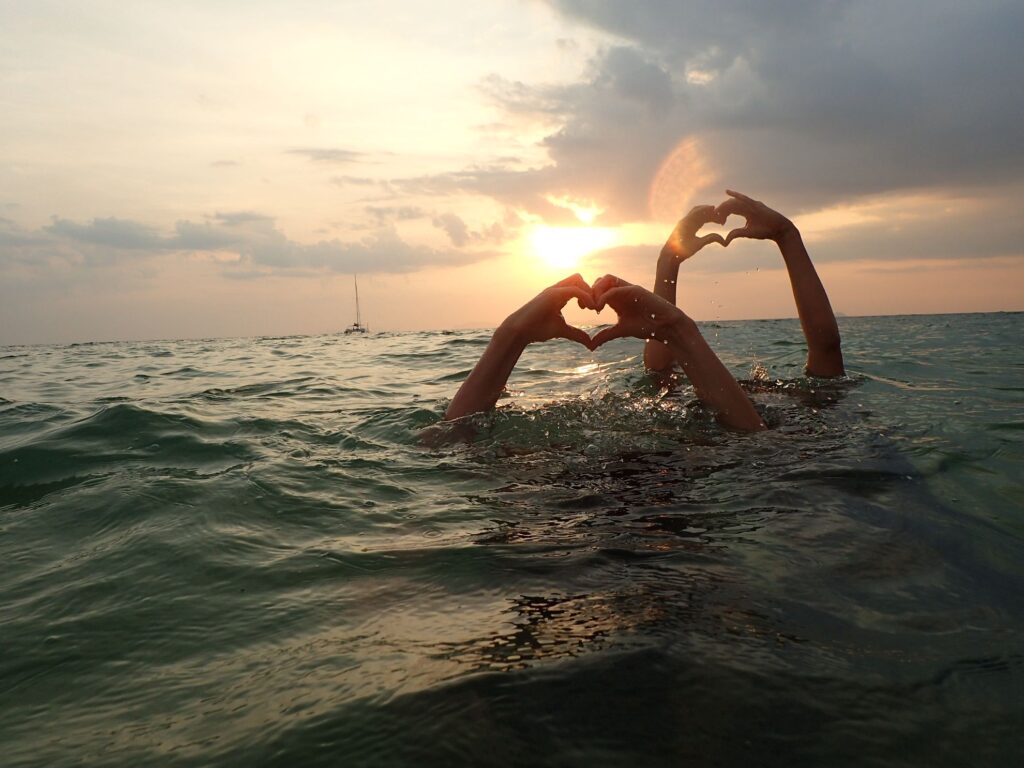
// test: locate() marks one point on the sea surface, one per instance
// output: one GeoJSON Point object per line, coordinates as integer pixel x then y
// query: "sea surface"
{"type": "Point", "coordinates": [243, 552]}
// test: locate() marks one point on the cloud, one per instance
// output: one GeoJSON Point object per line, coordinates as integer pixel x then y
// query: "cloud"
{"type": "Point", "coordinates": [259, 246]}
{"type": "Point", "coordinates": [234, 218]}
{"type": "Point", "coordinates": [12, 237]}
{"type": "Point", "coordinates": [460, 234]}
{"type": "Point", "coordinates": [454, 227]}
{"type": "Point", "coordinates": [896, 228]}
{"type": "Point", "coordinates": [115, 233]}
{"type": "Point", "coordinates": [395, 212]}
{"type": "Point", "coordinates": [831, 100]}
{"type": "Point", "coordinates": [353, 181]}
{"type": "Point", "coordinates": [804, 103]}
{"type": "Point", "coordinates": [608, 136]}
{"type": "Point", "coordinates": [327, 155]}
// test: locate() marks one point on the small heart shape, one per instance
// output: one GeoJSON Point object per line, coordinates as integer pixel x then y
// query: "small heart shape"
{"type": "Point", "coordinates": [718, 227]}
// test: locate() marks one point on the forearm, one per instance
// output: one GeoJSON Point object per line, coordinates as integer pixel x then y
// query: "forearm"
{"type": "Point", "coordinates": [711, 380]}
{"type": "Point", "coordinates": [658, 357]}
{"type": "Point", "coordinates": [485, 383]}
{"type": "Point", "coordinates": [824, 351]}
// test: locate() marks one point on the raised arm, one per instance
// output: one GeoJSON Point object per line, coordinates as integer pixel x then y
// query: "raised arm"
{"type": "Point", "coordinates": [538, 320]}
{"type": "Point", "coordinates": [824, 349]}
{"type": "Point", "coordinates": [681, 245]}
{"type": "Point", "coordinates": [646, 316]}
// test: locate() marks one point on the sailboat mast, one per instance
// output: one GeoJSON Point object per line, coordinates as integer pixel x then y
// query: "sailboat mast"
{"type": "Point", "coordinates": [355, 280]}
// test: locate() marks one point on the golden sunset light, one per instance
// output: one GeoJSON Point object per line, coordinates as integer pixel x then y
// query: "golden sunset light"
{"type": "Point", "coordinates": [546, 135]}
{"type": "Point", "coordinates": [563, 248]}
{"type": "Point", "coordinates": [571, 383]}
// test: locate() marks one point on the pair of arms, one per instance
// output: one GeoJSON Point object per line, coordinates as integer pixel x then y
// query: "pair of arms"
{"type": "Point", "coordinates": [824, 352]}
{"type": "Point", "coordinates": [641, 314]}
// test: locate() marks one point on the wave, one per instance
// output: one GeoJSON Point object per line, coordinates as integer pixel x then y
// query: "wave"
{"type": "Point", "coordinates": [117, 438]}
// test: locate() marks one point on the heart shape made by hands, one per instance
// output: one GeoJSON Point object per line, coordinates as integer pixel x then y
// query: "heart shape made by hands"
{"type": "Point", "coordinates": [640, 313]}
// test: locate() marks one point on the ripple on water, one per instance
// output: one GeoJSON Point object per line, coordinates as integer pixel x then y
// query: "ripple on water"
{"type": "Point", "coordinates": [264, 564]}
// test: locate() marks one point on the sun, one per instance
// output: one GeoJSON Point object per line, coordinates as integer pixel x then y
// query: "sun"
{"type": "Point", "coordinates": [563, 247]}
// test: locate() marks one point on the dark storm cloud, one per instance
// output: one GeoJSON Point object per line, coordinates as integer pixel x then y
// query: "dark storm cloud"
{"type": "Point", "coordinates": [802, 103]}
{"type": "Point", "coordinates": [841, 97]}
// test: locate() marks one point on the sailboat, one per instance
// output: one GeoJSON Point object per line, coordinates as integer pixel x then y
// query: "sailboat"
{"type": "Point", "coordinates": [357, 326]}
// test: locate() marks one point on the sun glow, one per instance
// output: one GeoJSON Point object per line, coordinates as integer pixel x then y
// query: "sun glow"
{"type": "Point", "coordinates": [564, 247]}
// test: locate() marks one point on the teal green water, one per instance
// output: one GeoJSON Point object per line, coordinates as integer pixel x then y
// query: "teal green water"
{"type": "Point", "coordinates": [241, 552]}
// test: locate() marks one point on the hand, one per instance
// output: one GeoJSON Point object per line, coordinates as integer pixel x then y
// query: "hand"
{"type": "Point", "coordinates": [642, 315]}
{"type": "Point", "coordinates": [762, 222]}
{"type": "Point", "coordinates": [683, 242]}
{"type": "Point", "coordinates": [541, 319]}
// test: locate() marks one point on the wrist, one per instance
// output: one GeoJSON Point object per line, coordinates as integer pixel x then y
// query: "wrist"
{"type": "Point", "coordinates": [670, 259]}
{"type": "Point", "coordinates": [787, 234]}
{"type": "Point", "coordinates": [665, 276]}
{"type": "Point", "coordinates": [510, 334]}
{"type": "Point", "coordinates": [679, 331]}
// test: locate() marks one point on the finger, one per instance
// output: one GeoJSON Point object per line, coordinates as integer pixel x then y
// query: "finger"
{"type": "Point", "coordinates": [714, 237]}
{"type": "Point", "coordinates": [696, 219]}
{"type": "Point", "coordinates": [736, 233]}
{"type": "Point", "coordinates": [584, 297]}
{"type": "Point", "coordinates": [700, 213]}
{"type": "Point", "coordinates": [616, 297]}
{"type": "Point", "coordinates": [576, 280]}
{"type": "Point", "coordinates": [606, 335]}
{"type": "Point", "coordinates": [572, 333]}
{"type": "Point", "coordinates": [606, 283]}
{"type": "Point", "coordinates": [730, 207]}
{"type": "Point", "coordinates": [739, 195]}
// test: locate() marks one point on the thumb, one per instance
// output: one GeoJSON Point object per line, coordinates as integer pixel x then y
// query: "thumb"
{"type": "Point", "coordinates": [737, 233]}
{"type": "Point", "coordinates": [714, 237]}
{"type": "Point", "coordinates": [573, 333]}
{"type": "Point", "coordinates": [606, 335]}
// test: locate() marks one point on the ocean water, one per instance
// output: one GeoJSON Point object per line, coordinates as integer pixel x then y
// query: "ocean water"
{"type": "Point", "coordinates": [262, 552]}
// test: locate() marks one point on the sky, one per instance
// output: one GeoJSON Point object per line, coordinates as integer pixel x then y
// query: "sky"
{"type": "Point", "coordinates": [224, 168]}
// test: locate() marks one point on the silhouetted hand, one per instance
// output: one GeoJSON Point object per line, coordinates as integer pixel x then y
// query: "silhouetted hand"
{"type": "Point", "coordinates": [642, 315]}
{"type": "Point", "coordinates": [762, 223]}
{"type": "Point", "coordinates": [683, 242]}
{"type": "Point", "coordinates": [541, 319]}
